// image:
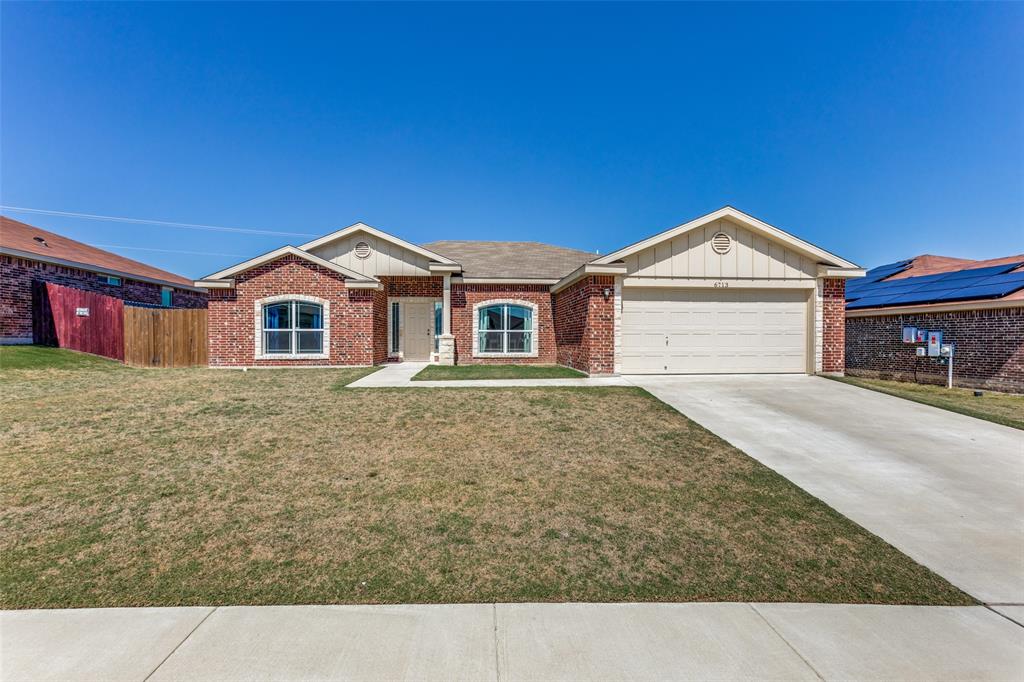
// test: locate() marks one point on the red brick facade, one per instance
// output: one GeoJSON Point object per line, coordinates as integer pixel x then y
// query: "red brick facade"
{"type": "Point", "coordinates": [989, 348]}
{"type": "Point", "coordinates": [585, 325]}
{"type": "Point", "coordinates": [466, 296]}
{"type": "Point", "coordinates": [18, 274]}
{"type": "Point", "coordinates": [355, 333]}
{"type": "Point", "coordinates": [833, 343]}
{"type": "Point", "coordinates": [429, 287]}
{"type": "Point", "coordinates": [575, 327]}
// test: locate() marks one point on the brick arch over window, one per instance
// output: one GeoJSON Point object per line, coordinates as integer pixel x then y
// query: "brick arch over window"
{"type": "Point", "coordinates": [281, 298]}
{"type": "Point", "coordinates": [534, 332]}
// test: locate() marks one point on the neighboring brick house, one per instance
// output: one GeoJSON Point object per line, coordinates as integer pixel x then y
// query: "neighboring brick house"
{"type": "Point", "coordinates": [30, 255]}
{"type": "Point", "coordinates": [723, 293]}
{"type": "Point", "coordinates": [977, 305]}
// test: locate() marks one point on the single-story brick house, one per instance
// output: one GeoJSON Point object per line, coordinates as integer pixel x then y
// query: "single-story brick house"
{"type": "Point", "coordinates": [723, 293]}
{"type": "Point", "coordinates": [29, 255]}
{"type": "Point", "coordinates": [977, 305]}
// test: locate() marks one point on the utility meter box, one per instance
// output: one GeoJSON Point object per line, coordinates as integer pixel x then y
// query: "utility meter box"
{"type": "Point", "coordinates": [946, 350]}
{"type": "Point", "coordinates": [921, 351]}
{"type": "Point", "coordinates": [909, 334]}
{"type": "Point", "coordinates": [934, 344]}
{"type": "Point", "coordinates": [921, 335]}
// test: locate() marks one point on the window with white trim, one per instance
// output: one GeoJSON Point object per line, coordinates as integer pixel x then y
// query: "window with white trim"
{"type": "Point", "coordinates": [293, 328]}
{"type": "Point", "coordinates": [505, 328]}
{"type": "Point", "coordinates": [395, 308]}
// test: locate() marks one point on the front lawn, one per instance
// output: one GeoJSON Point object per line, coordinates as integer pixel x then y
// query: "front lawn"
{"type": "Point", "coordinates": [192, 486]}
{"type": "Point", "coordinates": [46, 358]}
{"type": "Point", "coordinates": [1001, 408]}
{"type": "Point", "coordinates": [443, 373]}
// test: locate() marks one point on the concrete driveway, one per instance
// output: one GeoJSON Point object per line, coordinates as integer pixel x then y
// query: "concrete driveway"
{"type": "Point", "coordinates": [946, 489]}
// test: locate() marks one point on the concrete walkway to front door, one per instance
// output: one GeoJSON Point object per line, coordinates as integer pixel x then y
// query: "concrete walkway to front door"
{"type": "Point", "coordinates": [399, 375]}
{"type": "Point", "coordinates": [513, 642]}
{"type": "Point", "coordinates": [946, 489]}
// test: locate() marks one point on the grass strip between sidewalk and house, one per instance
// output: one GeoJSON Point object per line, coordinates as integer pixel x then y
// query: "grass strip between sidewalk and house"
{"type": "Point", "coordinates": [1001, 408]}
{"type": "Point", "coordinates": [460, 372]}
{"type": "Point", "coordinates": [195, 486]}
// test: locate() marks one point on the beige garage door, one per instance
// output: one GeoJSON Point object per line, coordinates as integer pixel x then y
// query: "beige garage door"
{"type": "Point", "coordinates": [714, 331]}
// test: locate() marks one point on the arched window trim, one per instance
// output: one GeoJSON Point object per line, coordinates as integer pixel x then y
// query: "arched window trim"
{"type": "Point", "coordinates": [534, 335]}
{"type": "Point", "coordinates": [283, 298]}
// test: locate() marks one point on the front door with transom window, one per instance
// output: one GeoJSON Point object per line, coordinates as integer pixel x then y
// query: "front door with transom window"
{"type": "Point", "coordinates": [419, 330]}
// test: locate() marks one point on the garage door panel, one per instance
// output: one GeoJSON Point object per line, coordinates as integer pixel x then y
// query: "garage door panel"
{"type": "Point", "coordinates": [714, 331]}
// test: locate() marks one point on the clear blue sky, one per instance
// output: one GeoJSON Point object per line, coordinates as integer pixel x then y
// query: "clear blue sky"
{"type": "Point", "coordinates": [876, 131]}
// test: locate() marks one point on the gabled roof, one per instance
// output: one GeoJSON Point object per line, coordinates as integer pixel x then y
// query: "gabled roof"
{"type": "Point", "coordinates": [743, 219]}
{"type": "Point", "coordinates": [284, 251]}
{"type": "Point", "coordinates": [512, 260]}
{"type": "Point", "coordinates": [363, 227]}
{"type": "Point", "coordinates": [26, 241]}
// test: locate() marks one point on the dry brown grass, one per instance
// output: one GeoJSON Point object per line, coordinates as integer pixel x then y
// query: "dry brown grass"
{"type": "Point", "coordinates": [142, 487]}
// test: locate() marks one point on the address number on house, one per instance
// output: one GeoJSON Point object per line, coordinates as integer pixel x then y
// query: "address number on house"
{"type": "Point", "coordinates": [721, 285]}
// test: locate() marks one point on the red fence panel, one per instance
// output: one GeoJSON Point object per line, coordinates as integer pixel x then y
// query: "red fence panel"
{"type": "Point", "coordinates": [79, 320]}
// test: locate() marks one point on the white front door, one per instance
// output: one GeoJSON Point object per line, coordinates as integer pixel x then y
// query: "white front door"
{"type": "Point", "coordinates": [419, 330]}
{"type": "Point", "coordinates": [714, 331]}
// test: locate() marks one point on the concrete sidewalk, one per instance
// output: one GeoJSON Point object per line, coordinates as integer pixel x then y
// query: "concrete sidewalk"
{"type": "Point", "coordinates": [400, 375]}
{"type": "Point", "coordinates": [513, 642]}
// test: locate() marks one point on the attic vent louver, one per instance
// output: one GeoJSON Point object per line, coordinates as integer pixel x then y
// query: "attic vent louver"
{"type": "Point", "coordinates": [362, 250]}
{"type": "Point", "coordinates": [721, 243]}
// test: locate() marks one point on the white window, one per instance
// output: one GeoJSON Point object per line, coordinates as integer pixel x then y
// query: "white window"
{"type": "Point", "coordinates": [293, 328]}
{"type": "Point", "coordinates": [505, 328]}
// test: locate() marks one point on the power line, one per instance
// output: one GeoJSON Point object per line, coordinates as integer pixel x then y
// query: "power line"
{"type": "Point", "coordinates": [144, 248]}
{"type": "Point", "coordinates": [143, 221]}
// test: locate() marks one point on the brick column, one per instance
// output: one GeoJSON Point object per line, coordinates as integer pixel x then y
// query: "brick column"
{"type": "Point", "coordinates": [833, 315]}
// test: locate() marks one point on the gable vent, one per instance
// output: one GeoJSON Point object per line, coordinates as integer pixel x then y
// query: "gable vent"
{"type": "Point", "coordinates": [721, 243]}
{"type": "Point", "coordinates": [362, 250]}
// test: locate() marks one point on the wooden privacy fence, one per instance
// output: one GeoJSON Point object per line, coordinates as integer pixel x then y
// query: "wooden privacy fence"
{"type": "Point", "coordinates": [103, 325]}
{"type": "Point", "coordinates": [80, 320]}
{"type": "Point", "coordinates": [164, 337]}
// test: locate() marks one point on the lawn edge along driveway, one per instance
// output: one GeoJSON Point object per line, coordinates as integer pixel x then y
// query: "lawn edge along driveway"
{"type": "Point", "coordinates": [954, 399]}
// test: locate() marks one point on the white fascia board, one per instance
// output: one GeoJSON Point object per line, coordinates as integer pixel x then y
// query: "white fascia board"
{"type": "Point", "coordinates": [215, 283]}
{"type": "Point", "coordinates": [745, 220]}
{"type": "Point", "coordinates": [363, 227]}
{"type": "Point", "coordinates": [290, 250]}
{"type": "Point", "coordinates": [844, 273]}
{"type": "Point", "coordinates": [363, 284]}
{"type": "Point", "coordinates": [588, 269]}
{"type": "Point", "coordinates": [445, 267]}
{"type": "Point", "coordinates": [88, 267]}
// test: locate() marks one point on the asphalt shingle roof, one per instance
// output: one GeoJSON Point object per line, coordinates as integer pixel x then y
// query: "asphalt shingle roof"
{"type": "Point", "coordinates": [524, 260]}
{"type": "Point", "coordinates": [33, 240]}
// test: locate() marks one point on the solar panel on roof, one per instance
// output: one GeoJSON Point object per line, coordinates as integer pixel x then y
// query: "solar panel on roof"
{"type": "Point", "coordinates": [981, 272]}
{"type": "Point", "coordinates": [983, 291]}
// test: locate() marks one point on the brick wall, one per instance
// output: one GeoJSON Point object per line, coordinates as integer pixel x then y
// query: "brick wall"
{"type": "Point", "coordinates": [989, 348]}
{"type": "Point", "coordinates": [833, 317]}
{"type": "Point", "coordinates": [466, 296]}
{"type": "Point", "coordinates": [585, 325]}
{"type": "Point", "coordinates": [18, 274]}
{"type": "Point", "coordinates": [355, 330]}
{"type": "Point", "coordinates": [432, 287]}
